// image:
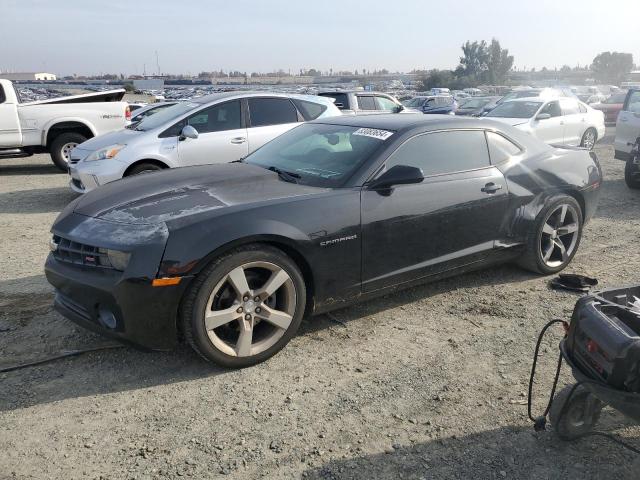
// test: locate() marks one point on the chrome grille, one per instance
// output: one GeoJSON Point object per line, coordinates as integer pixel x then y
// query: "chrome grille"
{"type": "Point", "coordinates": [68, 251]}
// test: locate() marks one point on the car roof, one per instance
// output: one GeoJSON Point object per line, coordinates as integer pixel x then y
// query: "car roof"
{"type": "Point", "coordinates": [364, 92]}
{"type": "Point", "coordinates": [404, 122]}
{"type": "Point", "coordinates": [215, 97]}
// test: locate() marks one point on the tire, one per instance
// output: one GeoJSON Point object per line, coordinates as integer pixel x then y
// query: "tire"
{"type": "Point", "coordinates": [145, 167]}
{"type": "Point", "coordinates": [541, 240]}
{"type": "Point", "coordinates": [224, 338]}
{"type": "Point", "coordinates": [632, 173]}
{"type": "Point", "coordinates": [580, 415]}
{"type": "Point", "coordinates": [62, 145]}
{"type": "Point", "coordinates": [589, 138]}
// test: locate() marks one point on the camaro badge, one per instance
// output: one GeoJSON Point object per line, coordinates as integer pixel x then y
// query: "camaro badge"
{"type": "Point", "coordinates": [338, 240]}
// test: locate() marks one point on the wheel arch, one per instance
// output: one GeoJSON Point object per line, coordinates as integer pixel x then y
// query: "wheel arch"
{"type": "Point", "coordinates": [153, 161]}
{"type": "Point", "coordinates": [526, 218]}
{"type": "Point", "coordinates": [67, 126]}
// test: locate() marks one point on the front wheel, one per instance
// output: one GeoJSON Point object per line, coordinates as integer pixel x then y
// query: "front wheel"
{"type": "Point", "coordinates": [554, 237]}
{"type": "Point", "coordinates": [244, 307]}
{"type": "Point", "coordinates": [632, 172]}
{"type": "Point", "coordinates": [61, 147]}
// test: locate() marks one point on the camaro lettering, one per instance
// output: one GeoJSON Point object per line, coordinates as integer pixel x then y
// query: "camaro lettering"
{"type": "Point", "coordinates": [338, 240]}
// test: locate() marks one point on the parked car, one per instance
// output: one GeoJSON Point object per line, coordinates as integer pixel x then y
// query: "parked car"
{"type": "Point", "coordinates": [360, 102]}
{"type": "Point", "coordinates": [474, 106]}
{"type": "Point", "coordinates": [56, 125]}
{"type": "Point", "coordinates": [561, 121]}
{"type": "Point", "coordinates": [331, 212]}
{"type": "Point", "coordinates": [218, 128]}
{"type": "Point", "coordinates": [612, 106]}
{"type": "Point", "coordinates": [151, 109]}
{"type": "Point", "coordinates": [628, 125]}
{"type": "Point", "coordinates": [442, 104]}
{"type": "Point", "coordinates": [530, 93]}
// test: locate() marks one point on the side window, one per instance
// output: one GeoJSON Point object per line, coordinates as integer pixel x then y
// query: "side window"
{"type": "Point", "coordinates": [501, 149]}
{"type": "Point", "coordinates": [443, 152]}
{"type": "Point", "coordinates": [342, 100]}
{"type": "Point", "coordinates": [2, 95]}
{"type": "Point", "coordinates": [386, 104]}
{"type": "Point", "coordinates": [633, 103]}
{"type": "Point", "coordinates": [570, 107]}
{"type": "Point", "coordinates": [366, 103]}
{"type": "Point", "coordinates": [552, 108]}
{"type": "Point", "coordinates": [218, 118]}
{"type": "Point", "coordinates": [310, 110]}
{"type": "Point", "coordinates": [271, 111]}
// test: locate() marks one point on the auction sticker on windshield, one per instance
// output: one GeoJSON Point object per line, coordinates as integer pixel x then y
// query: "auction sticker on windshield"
{"type": "Point", "coordinates": [373, 133]}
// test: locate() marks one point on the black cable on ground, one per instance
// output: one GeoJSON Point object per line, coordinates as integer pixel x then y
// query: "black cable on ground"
{"type": "Point", "coordinates": [540, 422]}
{"type": "Point", "coordinates": [72, 353]}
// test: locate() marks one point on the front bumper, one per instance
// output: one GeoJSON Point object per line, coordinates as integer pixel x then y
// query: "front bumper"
{"type": "Point", "coordinates": [122, 305]}
{"type": "Point", "coordinates": [86, 176]}
{"type": "Point", "coordinates": [106, 302]}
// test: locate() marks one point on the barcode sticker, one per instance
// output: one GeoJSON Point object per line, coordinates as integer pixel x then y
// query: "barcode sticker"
{"type": "Point", "coordinates": [373, 133]}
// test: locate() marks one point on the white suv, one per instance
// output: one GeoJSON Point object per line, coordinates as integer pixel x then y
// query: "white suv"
{"type": "Point", "coordinates": [217, 128]}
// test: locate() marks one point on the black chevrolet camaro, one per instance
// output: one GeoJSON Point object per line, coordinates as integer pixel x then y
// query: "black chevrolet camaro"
{"type": "Point", "coordinates": [232, 256]}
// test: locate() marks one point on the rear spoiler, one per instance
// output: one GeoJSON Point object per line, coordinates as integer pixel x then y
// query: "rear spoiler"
{"type": "Point", "coordinates": [107, 96]}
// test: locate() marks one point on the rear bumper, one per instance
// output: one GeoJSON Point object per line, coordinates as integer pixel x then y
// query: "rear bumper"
{"type": "Point", "coordinates": [106, 302]}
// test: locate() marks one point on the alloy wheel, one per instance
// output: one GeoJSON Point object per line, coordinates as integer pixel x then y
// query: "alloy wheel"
{"type": "Point", "coordinates": [250, 309]}
{"type": "Point", "coordinates": [559, 235]}
{"type": "Point", "coordinates": [589, 139]}
{"type": "Point", "coordinates": [66, 150]}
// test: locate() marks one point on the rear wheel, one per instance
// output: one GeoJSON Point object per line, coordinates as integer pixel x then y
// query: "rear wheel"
{"type": "Point", "coordinates": [632, 172]}
{"type": "Point", "coordinates": [589, 138]}
{"type": "Point", "coordinates": [574, 412]}
{"type": "Point", "coordinates": [61, 147]}
{"type": "Point", "coordinates": [145, 167]}
{"type": "Point", "coordinates": [555, 236]}
{"type": "Point", "coordinates": [244, 307]}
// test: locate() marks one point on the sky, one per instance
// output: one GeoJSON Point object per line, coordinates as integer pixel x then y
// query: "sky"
{"type": "Point", "coordinates": [117, 36]}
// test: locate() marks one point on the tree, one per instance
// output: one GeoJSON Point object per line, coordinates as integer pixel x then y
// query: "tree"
{"type": "Point", "coordinates": [612, 67]}
{"type": "Point", "coordinates": [499, 62]}
{"type": "Point", "coordinates": [474, 60]}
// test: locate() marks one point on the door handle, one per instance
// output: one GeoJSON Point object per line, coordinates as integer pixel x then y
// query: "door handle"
{"type": "Point", "coordinates": [238, 140]}
{"type": "Point", "coordinates": [491, 188]}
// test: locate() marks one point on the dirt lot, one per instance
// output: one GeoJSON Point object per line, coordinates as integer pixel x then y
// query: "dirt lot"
{"type": "Point", "coordinates": [426, 383]}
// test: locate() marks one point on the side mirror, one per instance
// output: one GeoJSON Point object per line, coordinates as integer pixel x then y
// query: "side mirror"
{"type": "Point", "coordinates": [398, 175]}
{"type": "Point", "coordinates": [543, 116]}
{"type": "Point", "coordinates": [188, 132]}
{"type": "Point", "coordinates": [399, 108]}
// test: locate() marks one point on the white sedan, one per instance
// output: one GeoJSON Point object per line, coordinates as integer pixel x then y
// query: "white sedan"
{"type": "Point", "coordinates": [558, 121]}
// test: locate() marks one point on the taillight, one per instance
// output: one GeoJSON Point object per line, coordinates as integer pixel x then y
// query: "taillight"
{"type": "Point", "coordinates": [127, 113]}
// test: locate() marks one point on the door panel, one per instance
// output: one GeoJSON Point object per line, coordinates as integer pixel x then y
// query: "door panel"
{"type": "Point", "coordinates": [419, 230]}
{"type": "Point", "coordinates": [550, 130]}
{"type": "Point", "coordinates": [258, 136]}
{"type": "Point", "coordinates": [10, 132]}
{"type": "Point", "coordinates": [628, 124]}
{"type": "Point", "coordinates": [214, 147]}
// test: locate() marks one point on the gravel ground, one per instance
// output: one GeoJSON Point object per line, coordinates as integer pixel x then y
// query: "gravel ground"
{"type": "Point", "coordinates": [425, 383]}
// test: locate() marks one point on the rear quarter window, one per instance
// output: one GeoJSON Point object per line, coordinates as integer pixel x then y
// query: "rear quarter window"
{"type": "Point", "coordinates": [500, 148]}
{"type": "Point", "coordinates": [310, 110]}
{"type": "Point", "coordinates": [342, 100]}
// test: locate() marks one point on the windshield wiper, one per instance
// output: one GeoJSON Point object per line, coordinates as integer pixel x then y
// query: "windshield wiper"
{"type": "Point", "coordinates": [284, 175]}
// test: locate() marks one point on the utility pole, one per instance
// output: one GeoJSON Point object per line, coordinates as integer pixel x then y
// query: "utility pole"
{"type": "Point", "coordinates": [157, 63]}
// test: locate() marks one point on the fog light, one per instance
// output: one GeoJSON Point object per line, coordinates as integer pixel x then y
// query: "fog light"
{"type": "Point", "coordinates": [107, 318]}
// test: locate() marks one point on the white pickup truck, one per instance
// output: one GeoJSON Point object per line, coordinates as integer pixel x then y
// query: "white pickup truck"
{"type": "Point", "coordinates": [56, 125]}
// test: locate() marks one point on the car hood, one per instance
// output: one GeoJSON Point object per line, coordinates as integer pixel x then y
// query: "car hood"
{"type": "Point", "coordinates": [510, 121]}
{"type": "Point", "coordinates": [123, 136]}
{"type": "Point", "coordinates": [171, 194]}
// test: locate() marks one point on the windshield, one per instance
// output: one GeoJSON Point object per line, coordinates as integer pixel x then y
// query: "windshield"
{"type": "Point", "coordinates": [320, 155]}
{"type": "Point", "coordinates": [166, 115]}
{"type": "Point", "coordinates": [416, 102]}
{"type": "Point", "coordinates": [515, 110]}
{"type": "Point", "coordinates": [476, 102]}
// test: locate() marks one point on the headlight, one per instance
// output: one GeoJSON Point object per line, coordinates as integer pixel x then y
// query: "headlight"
{"type": "Point", "coordinates": [118, 260]}
{"type": "Point", "coordinates": [105, 153]}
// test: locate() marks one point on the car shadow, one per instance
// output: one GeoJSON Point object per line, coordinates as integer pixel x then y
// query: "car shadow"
{"type": "Point", "coordinates": [32, 169]}
{"type": "Point", "coordinates": [31, 330]}
{"type": "Point", "coordinates": [506, 452]}
{"type": "Point", "coordinates": [36, 200]}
